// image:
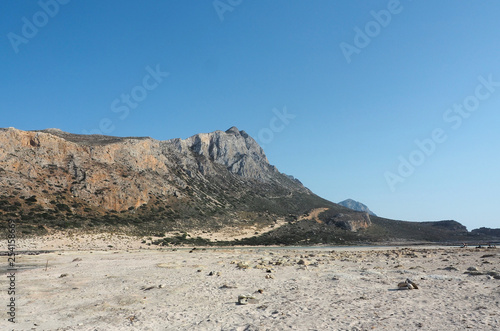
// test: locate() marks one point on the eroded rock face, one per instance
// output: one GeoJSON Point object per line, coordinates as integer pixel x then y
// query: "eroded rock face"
{"type": "Point", "coordinates": [236, 150]}
{"type": "Point", "coordinates": [122, 173]}
{"type": "Point", "coordinates": [352, 222]}
{"type": "Point", "coordinates": [103, 175]}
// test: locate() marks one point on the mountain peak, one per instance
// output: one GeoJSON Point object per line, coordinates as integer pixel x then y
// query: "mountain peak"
{"type": "Point", "coordinates": [233, 130]}
{"type": "Point", "coordinates": [356, 205]}
{"type": "Point", "coordinates": [118, 173]}
{"type": "Point", "coordinates": [234, 149]}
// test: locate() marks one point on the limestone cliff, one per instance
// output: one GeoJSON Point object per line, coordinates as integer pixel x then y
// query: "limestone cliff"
{"type": "Point", "coordinates": [54, 176]}
{"type": "Point", "coordinates": [235, 150]}
{"type": "Point", "coordinates": [122, 173]}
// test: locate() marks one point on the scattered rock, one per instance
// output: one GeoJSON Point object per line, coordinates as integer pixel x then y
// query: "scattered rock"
{"type": "Point", "coordinates": [269, 276]}
{"type": "Point", "coordinates": [450, 268]}
{"type": "Point", "coordinates": [415, 286]}
{"type": "Point", "coordinates": [63, 275]}
{"type": "Point", "coordinates": [403, 285]}
{"type": "Point", "coordinates": [303, 262]}
{"type": "Point", "coordinates": [408, 285]}
{"type": "Point", "coordinates": [245, 299]}
{"type": "Point", "coordinates": [243, 265]}
{"type": "Point", "coordinates": [472, 269]}
{"type": "Point", "coordinates": [227, 286]}
{"type": "Point", "coordinates": [474, 273]}
{"type": "Point", "coordinates": [76, 259]}
{"type": "Point", "coordinates": [488, 255]}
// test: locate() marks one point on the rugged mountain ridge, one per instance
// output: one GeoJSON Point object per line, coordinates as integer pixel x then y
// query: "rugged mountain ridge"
{"type": "Point", "coordinates": [51, 179]}
{"type": "Point", "coordinates": [120, 173]}
{"type": "Point", "coordinates": [236, 150]}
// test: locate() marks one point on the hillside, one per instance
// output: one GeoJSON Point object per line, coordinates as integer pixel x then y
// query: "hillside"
{"type": "Point", "coordinates": [210, 182]}
{"type": "Point", "coordinates": [53, 179]}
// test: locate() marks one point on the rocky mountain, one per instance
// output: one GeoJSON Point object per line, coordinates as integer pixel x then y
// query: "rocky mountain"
{"type": "Point", "coordinates": [355, 205]}
{"type": "Point", "coordinates": [121, 173]}
{"type": "Point", "coordinates": [54, 180]}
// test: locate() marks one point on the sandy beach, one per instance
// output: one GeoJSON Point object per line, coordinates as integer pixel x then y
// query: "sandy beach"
{"type": "Point", "coordinates": [120, 288]}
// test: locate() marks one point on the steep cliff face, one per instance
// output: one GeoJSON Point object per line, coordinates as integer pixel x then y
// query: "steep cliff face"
{"type": "Point", "coordinates": [119, 173]}
{"type": "Point", "coordinates": [235, 150]}
{"type": "Point", "coordinates": [103, 174]}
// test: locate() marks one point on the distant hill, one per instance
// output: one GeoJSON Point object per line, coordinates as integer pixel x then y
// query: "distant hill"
{"type": "Point", "coordinates": [356, 205]}
{"type": "Point", "coordinates": [495, 233]}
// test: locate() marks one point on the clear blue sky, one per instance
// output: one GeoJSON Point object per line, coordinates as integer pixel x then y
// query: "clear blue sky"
{"type": "Point", "coordinates": [358, 100]}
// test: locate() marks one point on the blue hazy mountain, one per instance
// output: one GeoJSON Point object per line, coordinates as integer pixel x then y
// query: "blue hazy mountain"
{"type": "Point", "coordinates": [356, 205]}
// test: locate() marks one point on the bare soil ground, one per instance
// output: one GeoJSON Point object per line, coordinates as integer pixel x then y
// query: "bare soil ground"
{"type": "Point", "coordinates": [90, 286]}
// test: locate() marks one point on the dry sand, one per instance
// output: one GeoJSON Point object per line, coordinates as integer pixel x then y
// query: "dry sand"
{"type": "Point", "coordinates": [293, 289]}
